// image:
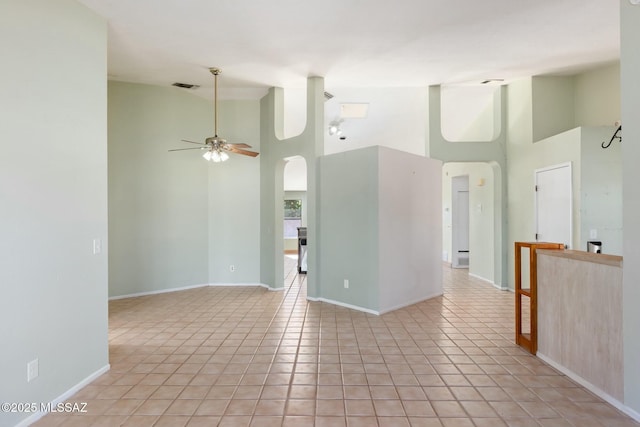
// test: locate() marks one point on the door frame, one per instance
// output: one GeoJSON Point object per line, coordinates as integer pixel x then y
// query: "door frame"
{"type": "Point", "coordinates": [459, 184]}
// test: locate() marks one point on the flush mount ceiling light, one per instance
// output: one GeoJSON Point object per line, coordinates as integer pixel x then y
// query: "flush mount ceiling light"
{"type": "Point", "coordinates": [216, 146]}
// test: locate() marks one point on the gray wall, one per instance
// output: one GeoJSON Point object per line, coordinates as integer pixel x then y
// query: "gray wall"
{"type": "Point", "coordinates": [348, 213]}
{"type": "Point", "coordinates": [158, 201]}
{"type": "Point", "coordinates": [53, 199]}
{"type": "Point", "coordinates": [630, 90]}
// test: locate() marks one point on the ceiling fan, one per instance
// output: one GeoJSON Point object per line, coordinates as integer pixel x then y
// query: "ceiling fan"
{"type": "Point", "coordinates": [217, 147]}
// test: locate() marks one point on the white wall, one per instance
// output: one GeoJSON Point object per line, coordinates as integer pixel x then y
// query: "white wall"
{"type": "Point", "coordinates": [53, 199]}
{"type": "Point", "coordinates": [409, 228]}
{"type": "Point", "coordinates": [396, 119]}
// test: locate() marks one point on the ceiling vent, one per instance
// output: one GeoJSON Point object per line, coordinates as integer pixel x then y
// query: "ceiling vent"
{"type": "Point", "coordinates": [484, 82]}
{"type": "Point", "coordinates": [327, 96]}
{"type": "Point", "coordinates": [185, 85]}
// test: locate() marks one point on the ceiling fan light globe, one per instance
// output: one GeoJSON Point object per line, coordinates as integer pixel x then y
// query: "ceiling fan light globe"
{"type": "Point", "coordinates": [215, 156]}
{"type": "Point", "coordinates": [223, 156]}
{"type": "Point", "coordinates": [207, 155]}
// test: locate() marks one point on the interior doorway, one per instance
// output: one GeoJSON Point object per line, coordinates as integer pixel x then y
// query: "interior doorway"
{"type": "Point", "coordinates": [295, 207]}
{"type": "Point", "coordinates": [554, 204]}
{"type": "Point", "coordinates": [472, 219]}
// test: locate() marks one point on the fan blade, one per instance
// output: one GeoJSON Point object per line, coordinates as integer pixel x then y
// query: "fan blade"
{"type": "Point", "coordinates": [195, 148]}
{"type": "Point", "coordinates": [238, 144]}
{"type": "Point", "coordinates": [193, 142]}
{"type": "Point", "coordinates": [240, 151]}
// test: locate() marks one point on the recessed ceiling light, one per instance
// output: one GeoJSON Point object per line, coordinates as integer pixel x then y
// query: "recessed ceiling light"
{"type": "Point", "coordinates": [636, 2]}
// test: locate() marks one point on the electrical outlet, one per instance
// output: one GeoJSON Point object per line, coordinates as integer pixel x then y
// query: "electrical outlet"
{"type": "Point", "coordinates": [346, 283]}
{"type": "Point", "coordinates": [232, 268]}
{"type": "Point", "coordinates": [32, 370]}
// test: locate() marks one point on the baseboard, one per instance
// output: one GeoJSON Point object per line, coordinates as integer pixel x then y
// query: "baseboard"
{"type": "Point", "coordinates": [186, 288]}
{"type": "Point", "coordinates": [344, 304]}
{"type": "Point", "coordinates": [64, 396]}
{"type": "Point", "coordinates": [368, 310]}
{"type": "Point", "coordinates": [159, 291]}
{"type": "Point", "coordinates": [491, 282]}
{"type": "Point", "coordinates": [397, 307]}
{"type": "Point", "coordinates": [240, 285]}
{"type": "Point", "coordinates": [592, 388]}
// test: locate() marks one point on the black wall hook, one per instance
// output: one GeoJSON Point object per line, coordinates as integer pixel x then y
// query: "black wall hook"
{"type": "Point", "coordinates": [615, 135]}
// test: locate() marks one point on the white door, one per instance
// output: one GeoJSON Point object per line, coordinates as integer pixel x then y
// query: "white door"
{"type": "Point", "coordinates": [460, 221]}
{"type": "Point", "coordinates": [553, 204]}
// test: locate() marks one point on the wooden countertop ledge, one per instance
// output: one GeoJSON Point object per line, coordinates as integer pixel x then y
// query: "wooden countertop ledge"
{"type": "Point", "coordinates": [606, 259]}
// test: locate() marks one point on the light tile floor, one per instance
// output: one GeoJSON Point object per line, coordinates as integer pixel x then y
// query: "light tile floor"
{"type": "Point", "coordinates": [251, 357]}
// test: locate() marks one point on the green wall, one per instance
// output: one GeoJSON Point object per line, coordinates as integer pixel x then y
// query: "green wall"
{"type": "Point", "coordinates": [483, 189]}
{"type": "Point", "coordinates": [275, 150]}
{"type": "Point", "coordinates": [158, 201]}
{"type": "Point", "coordinates": [630, 97]}
{"type": "Point", "coordinates": [348, 210]}
{"type": "Point", "coordinates": [234, 199]}
{"type": "Point", "coordinates": [597, 96]}
{"type": "Point", "coordinates": [53, 198]}
{"type": "Point", "coordinates": [176, 220]}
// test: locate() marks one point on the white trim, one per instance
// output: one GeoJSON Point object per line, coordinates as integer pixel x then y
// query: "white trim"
{"type": "Point", "coordinates": [343, 304]}
{"type": "Point", "coordinates": [428, 297]}
{"type": "Point", "coordinates": [64, 396]}
{"type": "Point", "coordinates": [244, 285]}
{"type": "Point", "coordinates": [491, 282]}
{"type": "Point", "coordinates": [159, 291]}
{"type": "Point", "coordinates": [186, 288]}
{"type": "Point", "coordinates": [592, 388]}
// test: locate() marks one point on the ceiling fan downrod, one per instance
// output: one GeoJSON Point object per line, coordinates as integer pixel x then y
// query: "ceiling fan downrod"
{"type": "Point", "coordinates": [215, 72]}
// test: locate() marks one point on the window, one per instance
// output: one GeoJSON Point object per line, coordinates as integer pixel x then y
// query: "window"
{"type": "Point", "coordinates": [292, 217]}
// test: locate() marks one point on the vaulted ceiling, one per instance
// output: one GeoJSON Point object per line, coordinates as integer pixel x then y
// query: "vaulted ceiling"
{"type": "Point", "coordinates": [353, 43]}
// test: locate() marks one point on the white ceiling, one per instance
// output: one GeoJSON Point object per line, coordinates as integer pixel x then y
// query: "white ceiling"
{"type": "Point", "coordinates": [353, 43]}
